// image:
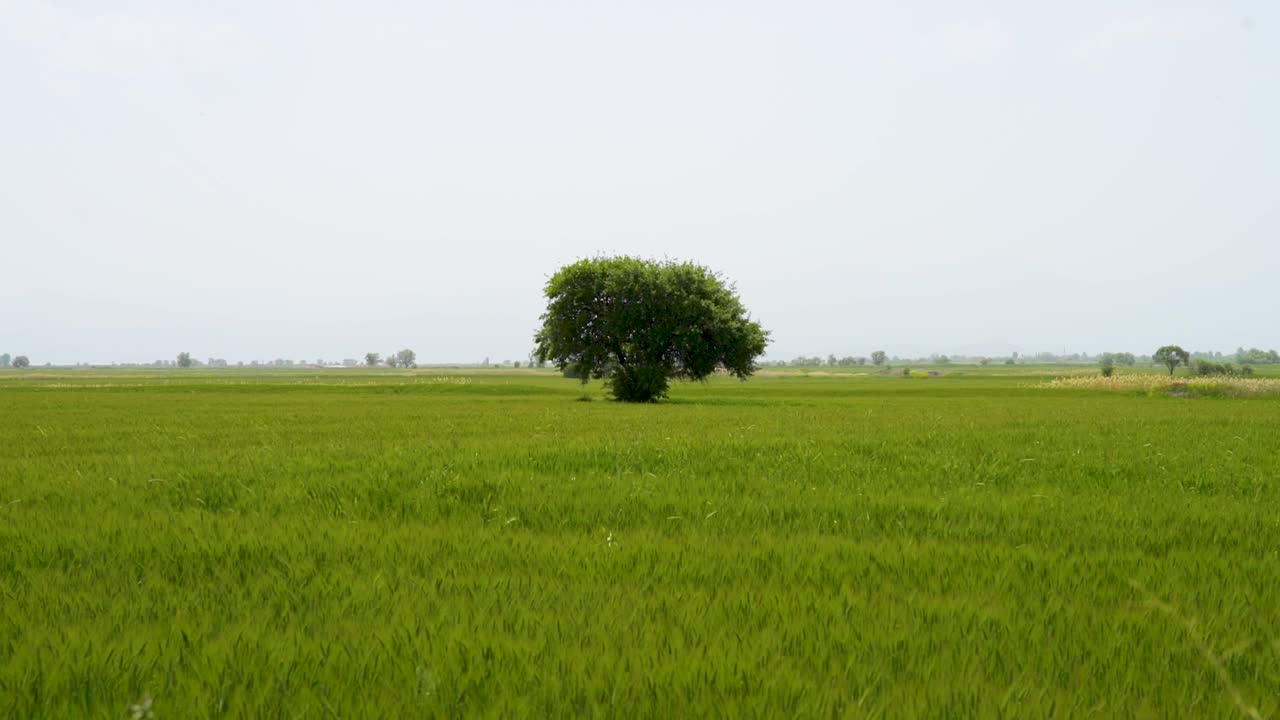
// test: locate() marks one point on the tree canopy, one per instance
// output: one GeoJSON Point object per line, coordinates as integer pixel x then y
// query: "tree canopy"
{"type": "Point", "coordinates": [640, 323]}
{"type": "Point", "coordinates": [1171, 356]}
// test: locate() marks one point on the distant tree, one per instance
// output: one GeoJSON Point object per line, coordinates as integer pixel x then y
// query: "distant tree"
{"type": "Point", "coordinates": [516, 364]}
{"type": "Point", "coordinates": [941, 359]}
{"type": "Point", "coordinates": [984, 361]}
{"type": "Point", "coordinates": [646, 323]}
{"type": "Point", "coordinates": [372, 359]}
{"type": "Point", "coordinates": [1010, 361]}
{"type": "Point", "coordinates": [1108, 364]}
{"type": "Point", "coordinates": [1171, 356]}
{"type": "Point", "coordinates": [407, 358]}
{"type": "Point", "coordinates": [184, 359]}
{"type": "Point", "coordinates": [21, 362]}
{"type": "Point", "coordinates": [832, 361]}
{"type": "Point", "coordinates": [1257, 356]}
{"type": "Point", "coordinates": [1117, 359]}
{"type": "Point", "coordinates": [392, 359]}
{"type": "Point", "coordinates": [5, 360]}
{"type": "Point", "coordinates": [877, 358]}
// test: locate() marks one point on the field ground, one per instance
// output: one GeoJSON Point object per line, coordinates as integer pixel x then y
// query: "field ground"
{"type": "Point", "coordinates": [394, 544]}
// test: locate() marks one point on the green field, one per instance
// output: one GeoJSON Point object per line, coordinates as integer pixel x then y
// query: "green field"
{"type": "Point", "coordinates": [391, 544]}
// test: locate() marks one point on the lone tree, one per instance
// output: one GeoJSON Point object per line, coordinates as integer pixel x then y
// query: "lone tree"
{"type": "Point", "coordinates": [1171, 356]}
{"type": "Point", "coordinates": [184, 359]}
{"type": "Point", "coordinates": [407, 358]}
{"type": "Point", "coordinates": [877, 357]}
{"type": "Point", "coordinates": [372, 359]}
{"type": "Point", "coordinates": [21, 362]}
{"type": "Point", "coordinates": [639, 323]}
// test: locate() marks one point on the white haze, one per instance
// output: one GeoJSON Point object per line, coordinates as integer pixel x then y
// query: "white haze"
{"type": "Point", "coordinates": [311, 179]}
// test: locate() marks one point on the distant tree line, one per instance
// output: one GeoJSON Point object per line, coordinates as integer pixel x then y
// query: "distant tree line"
{"type": "Point", "coordinates": [816, 361]}
{"type": "Point", "coordinates": [405, 358]}
{"type": "Point", "coordinates": [402, 358]}
{"type": "Point", "coordinates": [1171, 357]}
{"type": "Point", "coordinates": [880, 358]}
{"type": "Point", "coordinates": [1255, 356]}
{"type": "Point", "coordinates": [1121, 358]}
{"type": "Point", "coordinates": [1199, 362]}
{"type": "Point", "coordinates": [1252, 356]}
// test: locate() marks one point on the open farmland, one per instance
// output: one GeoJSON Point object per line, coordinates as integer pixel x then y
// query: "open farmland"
{"type": "Point", "coordinates": [395, 544]}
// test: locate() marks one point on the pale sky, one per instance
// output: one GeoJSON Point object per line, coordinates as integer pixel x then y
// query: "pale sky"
{"type": "Point", "coordinates": [252, 180]}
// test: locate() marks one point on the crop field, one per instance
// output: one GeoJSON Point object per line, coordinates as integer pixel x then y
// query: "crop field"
{"type": "Point", "coordinates": [330, 543]}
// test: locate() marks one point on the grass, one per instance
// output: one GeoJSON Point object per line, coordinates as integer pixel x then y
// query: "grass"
{"type": "Point", "coordinates": [393, 544]}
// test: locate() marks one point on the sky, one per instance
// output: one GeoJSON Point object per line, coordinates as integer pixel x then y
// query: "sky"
{"type": "Point", "coordinates": [250, 180]}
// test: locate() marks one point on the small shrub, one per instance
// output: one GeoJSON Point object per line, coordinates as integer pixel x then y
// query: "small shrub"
{"type": "Point", "coordinates": [1208, 368]}
{"type": "Point", "coordinates": [1108, 364]}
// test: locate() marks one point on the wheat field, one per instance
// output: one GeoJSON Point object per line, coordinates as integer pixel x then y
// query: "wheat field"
{"type": "Point", "coordinates": [443, 544]}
